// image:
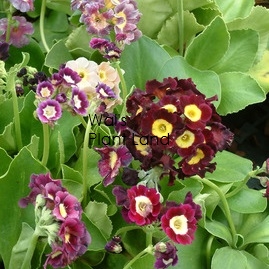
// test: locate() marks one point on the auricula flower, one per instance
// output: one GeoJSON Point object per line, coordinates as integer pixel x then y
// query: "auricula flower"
{"type": "Point", "coordinates": [20, 31]}
{"type": "Point", "coordinates": [44, 89]}
{"type": "Point", "coordinates": [165, 254]}
{"type": "Point", "coordinates": [79, 101]}
{"type": "Point", "coordinates": [49, 111]}
{"type": "Point", "coordinates": [23, 5]}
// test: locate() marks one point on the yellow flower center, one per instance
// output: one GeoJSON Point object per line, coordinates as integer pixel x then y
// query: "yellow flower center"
{"type": "Point", "coordinates": [170, 108]}
{"type": "Point", "coordinates": [49, 111]}
{"type": "Point", "coordinates": [186, 139]}
{"type": "Point", "coordinates": [192, 112]}
{"type": "Point", "coordinates": [62, 211]}
{"type": "Point", "coordinates": [196, 159]}
{"type": "Point", "coordinates": [102, 75]}
{"type": "Point", "coordinates": [142, 148]}
{"type": "Point", "coordinates": [124, 21]}
{"type": "Point", "coordinates": [113, 157]}
{"type": "Point", "coordinates": [179, 224]}
{"type": "Point", "coordinates": [143, 205]}
{"type": "Point", "coordinates": [45, 92]}
{"type": "Point", "coordinates": [67, 238]}
{"type": "Point", "coordinates": [161, 128]}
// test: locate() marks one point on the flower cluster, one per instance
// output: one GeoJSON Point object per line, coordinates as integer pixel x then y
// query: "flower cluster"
{"type": "Point", "coordinates": [77, 86]}
{"type": "Point", "coordinates": [101, 17]}
{"type": "Point", "coordinates": [59, 218]}
{"type": "Point", "coordinates": [20, 30]}
{"type": "Point", "coordinates": [171, 121]}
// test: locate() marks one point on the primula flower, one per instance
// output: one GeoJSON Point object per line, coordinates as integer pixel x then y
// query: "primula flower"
{"type": "Point", "coordinates": [165, 254]}
{"type": "Point", "coordinates": [114, 245]}
{"type": "Point", "coordinates": [104, 91]}
{"type": "Point", "coordinates": [68, 77]}
{"type": "Point", "coordinates": [111, 160]}
{"type": "Point", "coordinates": [179, 223]}
{"type": "Point", "coordinates": [144, 206]}
{"type": "Point", "coordinates": [66, 206]}
{"type": "Point", "coordinates": [87, 70]}
{"type": "Point", "coordinates": [23, 5]}
{"type": "Point", "coordinates": [19, 31]}
{"type": "Point", "coordinates": [44, 89]}
{"type": "Point", "coordinates": [79, 101]}
{"type": "Point", "coordinates": [49, 111]}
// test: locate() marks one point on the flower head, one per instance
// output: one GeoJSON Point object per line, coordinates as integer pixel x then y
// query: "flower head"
{"type": "Point", "coordinates": [111, 160]}
{"type": "Point", "coordinates": [165, 254]}
{"type": "Point", "coordinates": [19, 31]}
{"type": "Point", "coordinates": [49, 111]}
{"type": "Point", "coordinates": [23, 5]}
{"type": "Point", "coordinates": [79, 101]}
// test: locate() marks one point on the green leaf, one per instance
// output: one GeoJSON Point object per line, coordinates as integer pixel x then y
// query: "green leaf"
{"type": "Point", "coordinates": [97, 214]}
{"type": "Point", "coordinates": [238, 90]}
{"type": "Point", "coordinates": [231, 257]}
{"type": "Point", "coordinates": [13, 187]}
{"type": "Point", "coordinates": [247, 201]}
{"type": "Point", "coordinates": [235, 9]}
{"type": "Point", "coordinates": [242, 43]}
{"type": "Point", "coordinates": [259, 233]}
{"type": "Point", "coordinates": [5, 161]}
{"type": "Point", "coordinates": [230, 168]}
{"type": "Point", "coordinates": [261, 252]}
{"type": "Point", "coordinates": [206, 82]}
{"type": "Point", "coordinates": [20, 248]}
{"type": "Point", "coordinates": [155, 12]}
{"type": "Point", "coordinates": [169, 33]}
{"type": "Point", "coordinates": [147, 259]}
{"type": "Point", "coordinates": [58, 55]}
{"type": "Point", "coordinates": [136, 58]}
{"type": "Point", "coordinates": [209, 46]}
{"type": "Point", "coordinates": [253, 262]}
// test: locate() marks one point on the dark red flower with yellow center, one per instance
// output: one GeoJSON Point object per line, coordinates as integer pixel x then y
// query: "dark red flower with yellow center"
{"type": "Point", "coordinates": [196, 111]}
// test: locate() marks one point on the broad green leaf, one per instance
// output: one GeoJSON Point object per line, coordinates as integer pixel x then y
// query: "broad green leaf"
{"type": "Point", "coordinates": [60, 6]}
{"type": "Point", "coordinates": [7, 139]}
{"type": "Point", "coordinates": [147, 259]}
{"type": "Point", "coordinates": [261, 252]}
{"type": "Point", "coordinates": [247, 201]}
{"type": "Point", "coordinates": [20, 248]}
{"type": "Point", "coordinates": [258, 21]}
{"type": "Point", "coordinates": [154, 14]}
{"type": "Point", "coordinates": [190, 4]}
{"type": "Point", "coordinates": [242, 43]}
{"type": "Point", "coordinates": [253, 262]}
{"type": "Point", "coordinates": [93, 175]}
{"type": "Point", "coordinates": [232, 259]}
{"type": "Point", "coordinates": [90, 258]}
{"type": "Point", "coordinates": [142, 61]}
{"type": "Point", "coordinates": [97, 214]}
{"type": "Point", "coordinates": [5, 161]}
{"type": "Point", "coordinates": [238, 90]}
{"type": "Point", "coordinates": [169, 33]}
{"type": "Point", "coordinates": [58, 55]}
{"type": "Point", "coordinates": [13, 187]}
{"type": "Point", "coordinates": [206, 82]}
{"type": "Point", "coordinates": [209, 46]}
{"type": "Point", "coordinates": [260, 71]}
{"type": "Point", "coordinates": [219, 230]}
{"type": "Point", "coordinates": [204, 16]}
{"type": "Point", "coordinates": [231, 9]}
{"type": "Point", "coordinates": [78, 42]}
{"type": "Point", "coordinates": [259, 233]}
{"type": "Point", "coordinates": [230, 168]}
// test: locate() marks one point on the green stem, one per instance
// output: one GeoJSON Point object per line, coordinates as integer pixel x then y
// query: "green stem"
{"type": "Point", "coordinates": [243, 183]}
{"type": "Point", "coordinates": [11, 87]}
{"type": "Point", "coordinates": [226, 208]}
{"type": "Point", "coordinates": [30, 251]}
{"type": "Point", "coordinates": [122, 81]}
{"type": "Point", "coordinates": [180, 26]}
{"type": "Point", "coordinates": [9, 22]}
{"type": "Point", "coordinates": [149, 249]}
{"type": "Point", "coordinates": [46, 144]}
{"type": "Point", "coordinates": [41, 25]}
{"type": "Point", "coordinates": [85, 163]}
{"type": "Point", "coordinates": [208, 251]}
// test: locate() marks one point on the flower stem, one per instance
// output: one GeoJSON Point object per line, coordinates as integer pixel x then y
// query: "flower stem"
{"type": "Point", "coordinates": [41, 25]}
{"type": "Point", "coordinates": [208, 250]}
{"type": "Point", "coordinates": [139, 255]}
{"type": "Point", "coordinates": [226, 208]}
{"type": "Point", "coordinates": [46, 144]}
{"type": "Point", "coordinates": [122, 81]}
{"type": "Point", "coordinates": [85, 163]}
{"type": "Point", "coordinates": [11, 87]}
{"type": "Point", "coordinates": [30, 251]}
{"type": "Point", "coordinates": [9, 22]}
{"type": "Point", "coordinates": [180, 26]}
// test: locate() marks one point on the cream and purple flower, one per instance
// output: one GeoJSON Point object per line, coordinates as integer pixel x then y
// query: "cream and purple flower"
{"type": "Point", "coordinates": [44, 89]}
{"type": "Point", "coordinates": [79, 101]}
{"type": "Point", "coordinates": [49, 111]}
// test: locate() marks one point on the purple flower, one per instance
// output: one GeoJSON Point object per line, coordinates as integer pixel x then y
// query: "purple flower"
{"type": "Point", "coordinates": [79, 101]}
{"type": "Point", "coordinates": [69, 77]}
{"type": "Point", "coordinates": [58, 258]}
{"type": "Point", "coordinates": [165, 254]}
{"type": "Point", "coordinates": [114, 245]}
{"type": "Point", "coordinates": [44, 89]}
{"type": "Point", "coordinates": [49, 111]}
{"type": "Point", "coordinates": [66, 206]}
{"type": "Point", "coordinates": [105, 91]}
{"type": "Point", "coordinates": [4, 49]}
{"type": "Point", "coordinates": [111, 160]}
{"type": "Point", "coordinates": [19, 31]}
{"type": "Point", "coordinates": [23, 5]}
